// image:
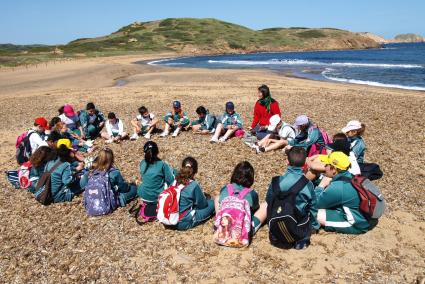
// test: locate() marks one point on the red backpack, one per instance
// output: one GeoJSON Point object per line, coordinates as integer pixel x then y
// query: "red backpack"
{"type": "Point", "coordinates": [372, 202]}
{"type": "Point", "coordinates": [168, 205]}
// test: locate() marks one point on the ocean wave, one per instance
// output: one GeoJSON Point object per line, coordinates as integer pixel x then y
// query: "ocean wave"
{"type": "Point", "coordinates": [372, 83]}
{"type": "Point", "coordinates": [376, 65]}
{"type": "Point", "coordinates": [267, 62]}
{"type": "Point", "coordinates": [316, 63]}
{"type": "Point", "coordinates": [160, 61]}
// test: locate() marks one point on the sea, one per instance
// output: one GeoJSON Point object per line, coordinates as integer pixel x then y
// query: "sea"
{"type": "Point", "coordinates": [399, 65]}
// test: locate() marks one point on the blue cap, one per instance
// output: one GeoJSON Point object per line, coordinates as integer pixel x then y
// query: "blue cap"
{"type": "Point", "coordinates": [177, 104]}
{"type": "Point", "coordinates": [230, 105]}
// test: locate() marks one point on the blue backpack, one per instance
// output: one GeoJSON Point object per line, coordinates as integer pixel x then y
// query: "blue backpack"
{"type": "Point", "coordinates": [99, 198]}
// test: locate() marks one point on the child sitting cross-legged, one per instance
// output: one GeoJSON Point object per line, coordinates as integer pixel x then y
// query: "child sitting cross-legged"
{"type": "Point", "coordinates": [144, 124]}
{"type": "Point", "coordinates": [230, 123]}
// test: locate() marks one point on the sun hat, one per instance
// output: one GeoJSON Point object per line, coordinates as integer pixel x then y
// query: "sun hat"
{"type": "Point", "coordinates": [68, 110]}
{"type": "Point", "coordinates": [337, 159]}
{"type": "Point", "coordinates": [177, 104]}
{"type": "Point", "coordinates": [66, 142]}
{"type": "Point", "coordinates": [42, 122]}
{"type": "Point", "coordinates": [274, 121]}
{"type": "Point", "coordinates": [230, 105]}
{"type": "Point", "coordinates": [352, 125]}
{"type": "Point", "coordinates": [301, 120]}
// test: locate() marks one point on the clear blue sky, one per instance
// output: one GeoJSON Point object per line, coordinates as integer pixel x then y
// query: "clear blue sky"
{"type": "Point", "coordinates": [57, 22]}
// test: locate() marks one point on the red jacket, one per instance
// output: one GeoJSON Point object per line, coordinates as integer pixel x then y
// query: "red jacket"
{"type": "Point", "coordinates": [261, 116]}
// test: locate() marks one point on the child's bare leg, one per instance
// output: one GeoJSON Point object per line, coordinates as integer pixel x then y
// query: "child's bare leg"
{"type": "Point", "coordinates": [217, 204]}
{"type": "Point", "coordinates": [275, 144]}
{"type": "Point", "coordinates": [218, 131]}
{"type": "Point", "coordinates": [228, 133]}
{"type": "Point", "coordinates": [136, 127]}
{"type": "Point", "coordinates": [265, 141]}
{"type": "Point", "coordinates": [261, 213]}
{"type": "Point", "coordinates": [105, 136]}
{"type": "Point", "coordinates": [196, 128]}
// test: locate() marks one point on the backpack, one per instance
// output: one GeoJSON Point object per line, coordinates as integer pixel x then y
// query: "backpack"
{"type": "Point", "coordinates": [233, 220]}
{"type": "Point", "coordinates": [286, 224]}
{"type": "Point", "coordinates": [144, 212]}
{"type": "Point", "coordinates": [99, 198]}
{"type": "Point", "coordinates": [43, 189]}
{"type": "Point", "coordinates": [24, 175]}
{"type": "Point", "coordinates": [317, 148]}
{"type": "Point", "coordinates": [12, 177]}
{"type": "Point", "coordinates": [168, 205]}
{"type": "Point", "coordinates": [23, 147]}
{"type": "Point", "coordinates": [372, 202]}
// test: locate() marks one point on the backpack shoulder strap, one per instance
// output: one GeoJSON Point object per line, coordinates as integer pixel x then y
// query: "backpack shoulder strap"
{"type": "Point", "coordinates": [275, 186]}
{"type": "Point", "coordinates": [244, 193]}
{"type": "Point", "coordinates": [303, 181]}
{"type": "Point", "coordinates": [230, 189]}
{"type": "Point", "coordinates": [344, 179]}
{"type": "Point", "coordinates": [55, 166]}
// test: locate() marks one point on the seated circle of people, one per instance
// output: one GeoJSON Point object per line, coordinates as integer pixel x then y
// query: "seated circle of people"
{"type": "Point", "coordinates": [62, 158]}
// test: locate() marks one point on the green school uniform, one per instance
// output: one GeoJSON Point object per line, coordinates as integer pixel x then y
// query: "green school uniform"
{"type": "Point", "coordinates": [305, 201]}
{"type": "Point", "coordinates": [154, 177]}
{"type": "Point", "coordinates": [207, 123]}
{"type": "Point", "coordinates": [358, 147]}
{"type": "Point", "coordinates": [176, 117]}
{"type": "Point", "coordinates": [232, 119]}
{"type": "Point", "coordinates": [341, 201]}
{"type": "Point", "coordinates": [90, 124]}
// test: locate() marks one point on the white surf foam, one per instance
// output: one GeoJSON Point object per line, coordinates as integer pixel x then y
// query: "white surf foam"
{"type": "Point", "coordinates": [372, 83]}
{"type": "Point", "coordinates": [376, 65]}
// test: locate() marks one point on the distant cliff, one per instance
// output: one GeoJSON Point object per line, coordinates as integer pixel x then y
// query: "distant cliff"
{"type": "Point", "coordinates": [408, 38]}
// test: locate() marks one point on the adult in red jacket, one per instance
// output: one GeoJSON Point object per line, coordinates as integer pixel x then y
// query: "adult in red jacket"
{"type": "Point", "coordinates": [264, 108]}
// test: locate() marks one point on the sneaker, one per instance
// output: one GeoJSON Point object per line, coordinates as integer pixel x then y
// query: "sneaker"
{"type": "Point", "coordinates": [257, 149]}
{"type": "Point", "coordinates": [262, 149]}
{"type": "Point", "coordinates": [148, 136]}
{"type": "Point", "coordinates": [214, 140]}
{"type": "Point", "coordinates": [133, 137]}
{"type": "Point", "coordinates": [222, 140]}
{"type": "Point", "coordinates": [163, 134]}
{"type": "Point", "coordinates": [176, 132]}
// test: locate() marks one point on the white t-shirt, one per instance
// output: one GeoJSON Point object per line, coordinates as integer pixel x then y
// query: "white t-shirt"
{"type": "Point", "coordinates": [115, 129]}
{"type": "Point", "coordinates": [71, 122]}
{"type": "Point", "coordinates": [144, 121]}
{"type": "Point", "coordinates": [286, 132]}
{"type": "Point", "coordinates": [354, 167]}
{"type": "Point", "coordinates": [36, 141]}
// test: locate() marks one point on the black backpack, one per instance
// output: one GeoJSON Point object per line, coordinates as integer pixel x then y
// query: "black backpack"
{"type": "Point", "coordinates": [23, 150]}
{"type": "Point", "coordinates": [286, 224]}
{"type": "Point", "coordinates": [43, 189]}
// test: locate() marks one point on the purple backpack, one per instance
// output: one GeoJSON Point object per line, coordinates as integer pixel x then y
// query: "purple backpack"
{"type": "Point", "coordinates": [233, 220]}
{"type": "Point", "coordinates": [99, 198]}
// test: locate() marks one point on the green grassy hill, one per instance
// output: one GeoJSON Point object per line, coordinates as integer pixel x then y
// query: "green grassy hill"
{"type": "Point", "coordinates": [196, 36]}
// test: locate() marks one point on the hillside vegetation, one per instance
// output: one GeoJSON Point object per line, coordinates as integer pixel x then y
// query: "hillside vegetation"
{"type": "Point", "coordinates": [187, 35]}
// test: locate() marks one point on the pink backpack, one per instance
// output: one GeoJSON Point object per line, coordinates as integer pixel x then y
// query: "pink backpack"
{"type": "Point", "coordinates": [318, 149]}
{"type": "Point", "coordinates": [233, 220]}
{"type": "Point", "coordinates": [20, 138]}
{"type": "Point", "coordinates": [24, 175]}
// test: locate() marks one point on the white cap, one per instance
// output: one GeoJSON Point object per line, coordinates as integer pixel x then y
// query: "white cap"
{"type": "Point", "coordinates": [274, 121]}
{"type": "Point", "coordinates": [352, 125]}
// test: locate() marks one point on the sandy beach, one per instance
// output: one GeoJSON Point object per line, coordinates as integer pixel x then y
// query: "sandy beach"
{"type": "Point", "coordinates": [59, 243]}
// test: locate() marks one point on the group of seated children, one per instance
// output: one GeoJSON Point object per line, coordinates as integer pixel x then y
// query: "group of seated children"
{"type": "Point", "coordinates": [315, 181]}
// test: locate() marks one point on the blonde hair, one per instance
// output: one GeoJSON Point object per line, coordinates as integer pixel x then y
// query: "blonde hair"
{"type": "Point", "coordinates": [104, 160]}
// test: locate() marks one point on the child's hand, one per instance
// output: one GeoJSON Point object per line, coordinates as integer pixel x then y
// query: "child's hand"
{"type": "Point", "coordinates": [325, 182]}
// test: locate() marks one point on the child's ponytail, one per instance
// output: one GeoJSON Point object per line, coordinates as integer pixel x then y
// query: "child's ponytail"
{"type": "Point", "coordinates": [188, 170]}
{"type": "Point", "coordinates": [361, 131]}
{"type": "Point", "coordinates": [151, 153]}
